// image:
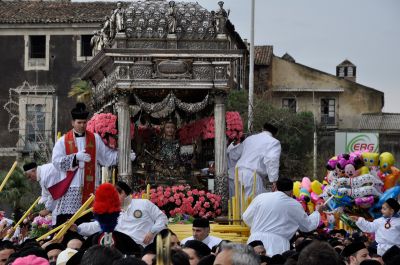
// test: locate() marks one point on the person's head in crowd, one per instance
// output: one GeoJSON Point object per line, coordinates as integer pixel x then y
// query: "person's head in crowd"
{"type": "Point", "coordinates": [200, 229]}
{"type": "Point", "coordinates": [30, 171]}
{"type": "Point", "coordinates": [394, 261]}
{"type": "Point", "coordinates": [265, 259]}
{"type": "Point", "coordinates": [258, 247]}
{"type": "Point", "coordinates": [75, 243]}
{"type": "Point", "coordinates": [288, 253]}
{"type": "Point", "coordinates": [237, 254]}
{"type": "Point", "coordinates": [390, 254]}
{"type": "Point", "coordinates": [79, 116]}
{"type": "Point", "coordinates": [6, 249]}
{"type": "Point", "coordinates": [30, 260]}
{"type": "Point", "coordinates": [276, 259]}
{"type": "Point", "coordinates": [347, 241]}
{"type": "Point", "coordinates": [217, 248]}
{"type": "Point", "coordinates": [129, 261]}
{"type": "Point", "coordinates": [179, 257]}
{"type": "Point", "coordinates": [337, 245]}
{"type": "Point", "coordinates": [270, 128]}
{"type": "Point", "coordinates": [285, 185]}
{"type": "Point", "coordinates": [339, 234]}
{"type": "Point", "coordinates": [376, 257]}
{"type": "Point", "coordinates": [31, 249]}
{"type": "Point", "coordinates": [207, 260]}
{"type": "Point", "coordinates": [53, 250]}
{"type": "Point", "coordinates": [303, 244]}
{"type": "Point", "coordinates": [355, 253]}
{"type": "Point", "coordinates": [100, 255]}
{"type": "Point", "coordinates": [124, 191]}
{"type": "Point", "coordinates": [195, 250]}
{"type": "Point", "coordinates": [370, 262]}
{"type": "Point", "coordinates": [390, 207]}
{"type": "Point", "coordinates": [65, 255]}
{"type": "Point", "coordinates": [318, 252]}
{"type": "Point", "coordinates": [174, 240]}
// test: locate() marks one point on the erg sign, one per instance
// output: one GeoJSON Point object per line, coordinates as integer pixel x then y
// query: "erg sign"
{"type": "Point", "coordinates": [347, 142]}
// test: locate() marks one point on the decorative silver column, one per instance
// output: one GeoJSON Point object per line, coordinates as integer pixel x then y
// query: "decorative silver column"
{"type": "Point", "coordinates": [221, 176]}
{"type": "Point", "coordinates": [124, 141]}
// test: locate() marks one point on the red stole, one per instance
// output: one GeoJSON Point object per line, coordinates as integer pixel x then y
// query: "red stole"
{"type": "Point", "coordinates": [59, 189]}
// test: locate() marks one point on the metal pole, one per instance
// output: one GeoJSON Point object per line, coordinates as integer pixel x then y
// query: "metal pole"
{"type": "Point", "coordinates": [56, 121]}
{"type": "Point", "coordinates": [251, 72]}
{"type": "Point", "coordinates": [315, 141]}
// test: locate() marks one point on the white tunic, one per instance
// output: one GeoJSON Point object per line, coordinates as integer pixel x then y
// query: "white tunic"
{"type": "Point", "coordinates": [210, 241]}
{"type": "Point", "coordinates": [71, 201]}
{"type": "Point", "coordinates": [274, 218]}
{"type": "Point", "coordinates": [233, 154]}
{"type": "Point", "coordinates": [140, 217]}
{"type": "Point", "coordinates": [386, 238]}
{"type": "Point", "coordinates": [259, 153]}
{"type": "Point", "coordinates": [47, 176]}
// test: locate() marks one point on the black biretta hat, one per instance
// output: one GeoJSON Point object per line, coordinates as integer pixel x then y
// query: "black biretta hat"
{"type": "Point", "coordinates": [29, 166]}
{"type": "Point", "coordinates": [271, 128]}
{"type": "Point", "coordinates": [123, 186]}
{"type": "Point", "coordinates": [393, 204]}
{"type": "Point", "coordinates": [79, 112]}
{"type": "Point", "coordinates": [201, 222]}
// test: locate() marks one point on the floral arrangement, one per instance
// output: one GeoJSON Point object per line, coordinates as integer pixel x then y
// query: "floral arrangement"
{"type": "Point", "coordinates": [205, 128]}
{"type": "Point", "coordinates": [105, 124]}
{"type": "Point", "coordinates": [182, 200]}
{"type": "Point", "coordinates": [40, 226]}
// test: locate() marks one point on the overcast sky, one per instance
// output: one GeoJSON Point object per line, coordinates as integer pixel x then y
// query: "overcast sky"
{"type": "Point", "coordinates": [322, 33]}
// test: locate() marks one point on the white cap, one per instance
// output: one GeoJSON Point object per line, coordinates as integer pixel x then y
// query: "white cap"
{"type": "Point", "coordinates": [65, 255]}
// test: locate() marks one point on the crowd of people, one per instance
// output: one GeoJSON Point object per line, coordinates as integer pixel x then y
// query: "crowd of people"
{"type": "Point", "coordinates": [281, 232]}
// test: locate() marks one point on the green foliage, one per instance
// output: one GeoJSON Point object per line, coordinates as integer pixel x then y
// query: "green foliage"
{"type": "Point", "coordinates": [19, 192]}
{"type": "Point", "coordinates": [81, 90]}
{"type": "Point", "coordinates": [295, 131]}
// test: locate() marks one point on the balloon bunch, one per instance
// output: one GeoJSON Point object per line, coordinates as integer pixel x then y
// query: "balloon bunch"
{"type": "Point", "coordinates": [308, 193]}
{"type": "Point", "coordinates": [360, 179]}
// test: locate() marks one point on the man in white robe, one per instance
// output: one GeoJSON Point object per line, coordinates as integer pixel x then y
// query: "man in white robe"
{"type": "Point", "coordinates": [259, 153]}
{"type": "Point", "coordinates": [201, 232]}
{"type": "Point", "coordinates": [274, 217]}
{"type": "Point", "coordinates": [47, 175]}
{"type": "Point", "coordinates": [233, 152]}
{"type": "Point", "coordinates": [140, 218]}
{"type": "Point", "coordinates": [78, 162]}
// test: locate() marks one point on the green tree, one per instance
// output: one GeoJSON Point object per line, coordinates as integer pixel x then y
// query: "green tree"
{"type": "Point", "coordinates": [295, 131]}
{"type": "Point", "coordinates": [18, 193]}
{"type": "Point", "coordinates": [81, 90]}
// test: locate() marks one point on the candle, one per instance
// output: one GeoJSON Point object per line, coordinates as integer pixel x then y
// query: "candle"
{"type": "Point", "coordinates": [254, 184]}
{"type": "Point", "coordinates": [113, 177]}
{"type": "Point", "coordinates": [148, 191]}
{"type": "Point", "coordinates": [233, 209]}
{"type": "Point", "coordinates": [74, 217]}
{"type": "Point", "coordinates": [236, 182]}
{"type": "Point", "coordinates": [229, 211]}
{"type": "Point", "coordinates": [104, 175]}
{"type": "Point", "coordinates": [242, 200]}
{"type": "Point", "coordinates": [8, 176]}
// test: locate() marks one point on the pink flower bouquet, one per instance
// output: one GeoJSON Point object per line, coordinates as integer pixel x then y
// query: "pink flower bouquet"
{"type": "Point", "coordinates": [182, 200]}
{"type": "Point", "coordinates": [40, 226]}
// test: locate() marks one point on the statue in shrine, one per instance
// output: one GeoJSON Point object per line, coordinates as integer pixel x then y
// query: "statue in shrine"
{"type": "Point", "coordinates": [106, 30]}
{"type": "Point", "coordinates": [221, 17]}
{"type": "Point", "coordinates": [171, 18]}
{"type": "Point", "coordinates": [169, 166]}
{"type": "Point", "coordinates": [96, 42]}
{"type": "Point", "coordinates": [118, 19]}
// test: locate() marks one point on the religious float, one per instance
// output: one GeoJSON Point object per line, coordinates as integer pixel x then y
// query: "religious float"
{"type": "Point", "coordinates": [160, 80]}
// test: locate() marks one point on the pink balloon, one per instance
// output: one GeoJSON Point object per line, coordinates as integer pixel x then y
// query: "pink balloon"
{"type": "Point", "coordinates": [306, 183]}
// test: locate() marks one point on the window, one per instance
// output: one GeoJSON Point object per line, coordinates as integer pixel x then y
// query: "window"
{"type": "Point", "coordinates": [328, 111]}
{"type": "Point", "coordinates": [349, 71]}
{"type": "Point", "coordinates": [35, 122]}
{"type": "Point", "coordinates": [86, 49]}
{"type": "Point", "coordinates": [37, 49]}
{"type": "Point", "coordinates": [37, 46]}
{"type": "Point", "coordinates": [83, 48]}
{"type": "Point", "coordinates": [341, 72]}
{"type": "Point", "coordinates": [290, 104]}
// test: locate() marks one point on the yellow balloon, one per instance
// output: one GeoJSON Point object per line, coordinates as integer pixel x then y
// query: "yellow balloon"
{"type": "Point", "coordinates": [316, 187]}
{"type": "Point", "coordinates": [296, 188]}
{"type": "Point", "coordinates": [310, 207]}
{"type": "Point", "coordinates": [370, 159]}
{"type": "Point", "coordinates": [386, 161]}
{"type": "Point", "coordinates": [364, 170]}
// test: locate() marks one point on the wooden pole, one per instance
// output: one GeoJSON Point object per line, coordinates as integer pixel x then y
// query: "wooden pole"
{"type": "Point", "coordinates": [74, 217]}
{"type": "Point", "coordinates": [8, 175]}
{"type": "Point", "coordinates": [26, 213]}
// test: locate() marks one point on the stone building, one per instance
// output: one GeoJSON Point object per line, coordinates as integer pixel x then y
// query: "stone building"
{"type": "Point", "coordinates": [336, 101]}
{"type": "Point", "coordinates": [43, 45]}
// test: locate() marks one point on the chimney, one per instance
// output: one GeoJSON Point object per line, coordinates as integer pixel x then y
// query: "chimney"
{"type": "Point", "coordinates": [346, 70]}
